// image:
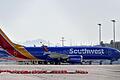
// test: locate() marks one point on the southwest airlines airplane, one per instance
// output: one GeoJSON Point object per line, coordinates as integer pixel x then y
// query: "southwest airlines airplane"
{"type": "Point", "coordinates": [57, 55]}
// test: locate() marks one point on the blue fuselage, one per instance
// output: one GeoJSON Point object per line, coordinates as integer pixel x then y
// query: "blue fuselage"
{"type": "Point", "coordinates": [75, 53]}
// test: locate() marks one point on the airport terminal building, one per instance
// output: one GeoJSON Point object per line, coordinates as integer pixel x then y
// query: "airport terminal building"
{"type": "Point", "coordinates": [112, 44]}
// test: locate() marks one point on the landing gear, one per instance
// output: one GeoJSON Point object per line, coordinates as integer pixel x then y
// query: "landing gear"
{"type": "Point", "coordinates": [90, 62]}
{"type": "Point", "coordinates": [111, 62]}
{"type": "Point", "coordinates": [101, 62]}
{"type": "Point", "coordinates": [81, 63]}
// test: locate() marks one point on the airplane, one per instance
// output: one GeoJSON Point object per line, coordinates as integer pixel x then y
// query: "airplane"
{"type": "Point", "coordinates": [58, 55]}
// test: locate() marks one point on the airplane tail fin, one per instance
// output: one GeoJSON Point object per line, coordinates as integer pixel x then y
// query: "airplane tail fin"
{"type": "Point", "coordinates": [5, 42]}
{"type": "Point", "coordinates": [13, 49]}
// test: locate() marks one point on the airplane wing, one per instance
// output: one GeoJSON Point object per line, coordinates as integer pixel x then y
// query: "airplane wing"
{"type": "Point", "coordinates": [53, 54]}
{"type": "Point", "coordinates": [56, 55]}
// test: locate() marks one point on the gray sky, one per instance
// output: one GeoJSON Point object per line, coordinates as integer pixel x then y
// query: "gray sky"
{"type": "Point", "coordinates": [76, 20]}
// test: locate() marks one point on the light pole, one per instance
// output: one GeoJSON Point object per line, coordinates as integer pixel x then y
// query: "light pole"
{"type": "Point", "coordinates": [63, 40]}
{"type": "Point", "coordinates": [99, 33]}
{"type": "Point", "coordinates": [113, 30]}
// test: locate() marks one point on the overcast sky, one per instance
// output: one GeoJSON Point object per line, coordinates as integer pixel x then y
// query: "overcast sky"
{"type": "Point", "coordinates": [76, 20]}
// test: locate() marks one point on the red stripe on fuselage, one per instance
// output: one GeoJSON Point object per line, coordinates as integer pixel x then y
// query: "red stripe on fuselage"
{"type": "Point", "coordinates": [10, 49]}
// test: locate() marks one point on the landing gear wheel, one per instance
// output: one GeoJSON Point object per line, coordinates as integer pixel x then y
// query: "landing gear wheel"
{"type": "Point", "coordinates": [111, 62]}
{"type": "Point", "coordinates": [90, 62]}
{"type": "Point", "coordinates": [101, 62]}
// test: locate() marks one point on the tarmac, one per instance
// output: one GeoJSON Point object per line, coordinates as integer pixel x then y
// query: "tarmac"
{"type": "Point", "coordinates": [95, 72]}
